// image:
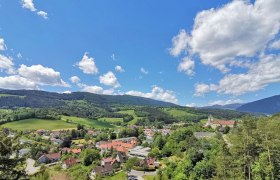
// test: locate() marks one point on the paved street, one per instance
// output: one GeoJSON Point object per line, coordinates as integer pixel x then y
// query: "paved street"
{"type": "Point", "coordinates": [30, 169]}
{"type": "Point", "coordinates": [140, 174]}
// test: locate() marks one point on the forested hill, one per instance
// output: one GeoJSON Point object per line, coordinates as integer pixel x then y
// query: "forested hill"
{"type": "Point", "coordinates": [269, 105]}
{"type": "Point", "coordinates": [42, 99]}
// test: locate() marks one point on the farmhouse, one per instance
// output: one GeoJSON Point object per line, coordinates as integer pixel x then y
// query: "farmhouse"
{"type": "Point", "coordinates": [121, 145]}
{"type": "Point", "coordinates": [102, 171]}
{"type": "Point", "coordinates": [49, 158]}
{"type": "Point", "coordinates": [70, 162]}
{"type": "Point", "coordinates": [219, 123]}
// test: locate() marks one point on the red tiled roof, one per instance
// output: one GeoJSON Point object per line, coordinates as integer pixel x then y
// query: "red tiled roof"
{"type": "Point", "coordinates": [71, 161]}
{"type": "Point", "coordinates": [224, 122]}
{"type": "Point", "coordinates": [53, 155]}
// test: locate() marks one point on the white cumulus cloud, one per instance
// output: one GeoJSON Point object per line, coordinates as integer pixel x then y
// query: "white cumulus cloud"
{"type": "Point", "coordinates": [275, 44]}
{"type": "Point", "coordinates": [28, 4]}
{"type": "Point", "coordinates": [119, 69]}
{"type": "Point", "coordinates": [2, 44]}
{"type": "Point", "coordinates": [238, 29]}
{"type": "Point", "coordinates": [43, 14]}
{"type": "Point", "coordinates": [75, 79]}
{"type": "Point", "coordinates": [6, 64]}
{"type": "Point", "coordinates": [157, 93]}
{"type": "Point", "coordinates": [109, 79]}
{"type": "Point", "coordinates": [87, 65]}
{"type": "Point", "coordinates": [17, 82]}
{"type": "Point", "coordinates": [260, 74]}
{"type": "Point", "coordinates": [187, 66]}
{"type": "Point", "coordinates": [42, 75]}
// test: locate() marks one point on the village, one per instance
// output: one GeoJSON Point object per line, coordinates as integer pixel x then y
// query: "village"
{"type": "Point", "coordinates": [109, 151]}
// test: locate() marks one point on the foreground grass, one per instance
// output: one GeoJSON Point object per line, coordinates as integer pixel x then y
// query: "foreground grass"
{"type": "Point", "coordinates": [38, 124]}
{"type": "Point", "coordinates": [87, 122]}
{"type": "Point", "coordinates": [150, 177]}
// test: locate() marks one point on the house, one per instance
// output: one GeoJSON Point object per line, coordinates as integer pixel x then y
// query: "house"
{"type": "Point", "coordinates": [201, 135]}
{"type": "Point", "coordinates": [111, 161]}
{"type": "Point", "coordinates": [121, 157]}
{"type": "Point", "coordinates": [149, 163]}
{"type": "Point", "coordinates": [70, 162]}
{"type": "Point", "coordinates": [68, 150]}
{"type": "Point", "coordinates": [49, 158]}
{"type": "Point", "coordinates": [101, 171]}
{"type": "Point", "coordinates": [121, 145]}
{"type": "Point", "coordinates": [220, 123]}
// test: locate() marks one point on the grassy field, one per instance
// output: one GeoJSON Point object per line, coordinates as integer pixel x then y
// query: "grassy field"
{"type": "Point", "coordinates": [87, 122]}
{"type": "Point", "coordinates": [38, 124]}
{"type": "Point", "coordinates": [132, 113]}
{"type": "Point", "coordinates": [111, 120]}
{"type": "Point", "coordinates": [6, 95]}
{"type": "Point", "coordinates": [121, 175]}
{"type": "Point", "coordinates": [150, 177]}
{"type": "Point", "coordinates": [179, 114]}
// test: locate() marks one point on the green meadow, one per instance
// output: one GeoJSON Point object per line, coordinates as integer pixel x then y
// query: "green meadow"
{"type": "Point", "coordinates": [87, 122]}
{"type": "Point", "coordinates": [38, 124]}
{"type": "Point", "coordinates": [132, 113]}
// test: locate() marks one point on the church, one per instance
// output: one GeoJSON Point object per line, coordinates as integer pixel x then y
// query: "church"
{"type": "Point", "coordinates": [219, 123]}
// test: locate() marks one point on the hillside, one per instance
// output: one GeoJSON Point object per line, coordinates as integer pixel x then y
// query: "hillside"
{"type": "Point", "coordinates": [42, 99]}
{"type": "Point", "coordinates": [270, 105]}
{"type": "Point", "coordinates": [227, 106]}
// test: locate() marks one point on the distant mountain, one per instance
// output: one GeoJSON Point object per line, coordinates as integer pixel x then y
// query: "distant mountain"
{"type": "Point", "coordinates": [43, 99]}
{"type": "Point", "coordinates": [270, 105]}
{"type": "Point", "coordinates": [228, 106]}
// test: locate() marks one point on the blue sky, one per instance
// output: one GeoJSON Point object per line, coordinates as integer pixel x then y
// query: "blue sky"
{"type": "Point", "coordinates": [192, 52]}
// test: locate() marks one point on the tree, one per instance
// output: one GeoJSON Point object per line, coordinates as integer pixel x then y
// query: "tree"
{"type": "Point", "coordinates": [10, 168]}
{"type": "Point", "coordinates": [90, 155]}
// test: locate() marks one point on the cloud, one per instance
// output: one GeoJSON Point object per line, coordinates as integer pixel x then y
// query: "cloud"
{"type": "Point", "coordinates": [157, 93]}
{"type": "Point", "coordinates": [260, 74]}
{"type": "Point", "coordinates": [225, 102]}
{"type": "Point", "coordinates": [28, 4]}
{"type": "Point", "coordinates": [2, 45]}
{"type": "Point", "coordinates": [187, 66]}
{"type": "Point", "coordinates": [75, 79]}
{"type": "Point", "coordinates": [43, 14]}
{"type": "Point", "coordinates": [275, 44]}
{"type": "Point", "coordinates": [119, 69]}
{"type": "Point", "coordinates": [95, 89]}
{"type": "Point", "coordinates": [109, 79]}
{"type": "Point", "coordinates": [87, 65]}
{"type": "Point", "coordinates": [6, 64]}
{"type": "Point", "coordinates": [16, 82]}
{"type": "Point", "coordinates": [113, 57]}
{"type": "Point", "coordinates": [144, 71]}
{"type": "Point", "coordinates": [191, 105]}
{"type": "Point", "coordinates": [41, 75]}
{"type": "Point", "coordinates": [220, 35]}
{"type": "Point", "coordinates": [179, 43]}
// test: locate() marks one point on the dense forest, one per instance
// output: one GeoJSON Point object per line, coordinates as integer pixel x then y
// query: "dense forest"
{"type": "Point", "coordinates": [249, 151]}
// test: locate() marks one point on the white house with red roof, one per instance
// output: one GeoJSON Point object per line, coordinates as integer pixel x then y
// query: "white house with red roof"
{"type": "Point", "coordinates": [219, 123]}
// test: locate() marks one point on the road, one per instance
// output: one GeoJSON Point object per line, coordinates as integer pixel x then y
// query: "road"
{"type": "Point", "coordinates": [30, 169]}
{"type": "Point", "coordinates": [140, 174]}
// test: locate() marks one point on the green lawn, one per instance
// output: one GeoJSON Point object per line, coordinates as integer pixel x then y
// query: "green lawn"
{"type": "Point", "coordinates": [38, 124]}
{"type": "Point", "coordinates": [150, 177]}
{"type": "Point", "coordinates": [111, 120]}
{"type": "Point", "coordinates": [132, 113]}
{"type": "Point", "coordinates": [120, 176]}
{"type": "Point", "coordinates": [87, 122]}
